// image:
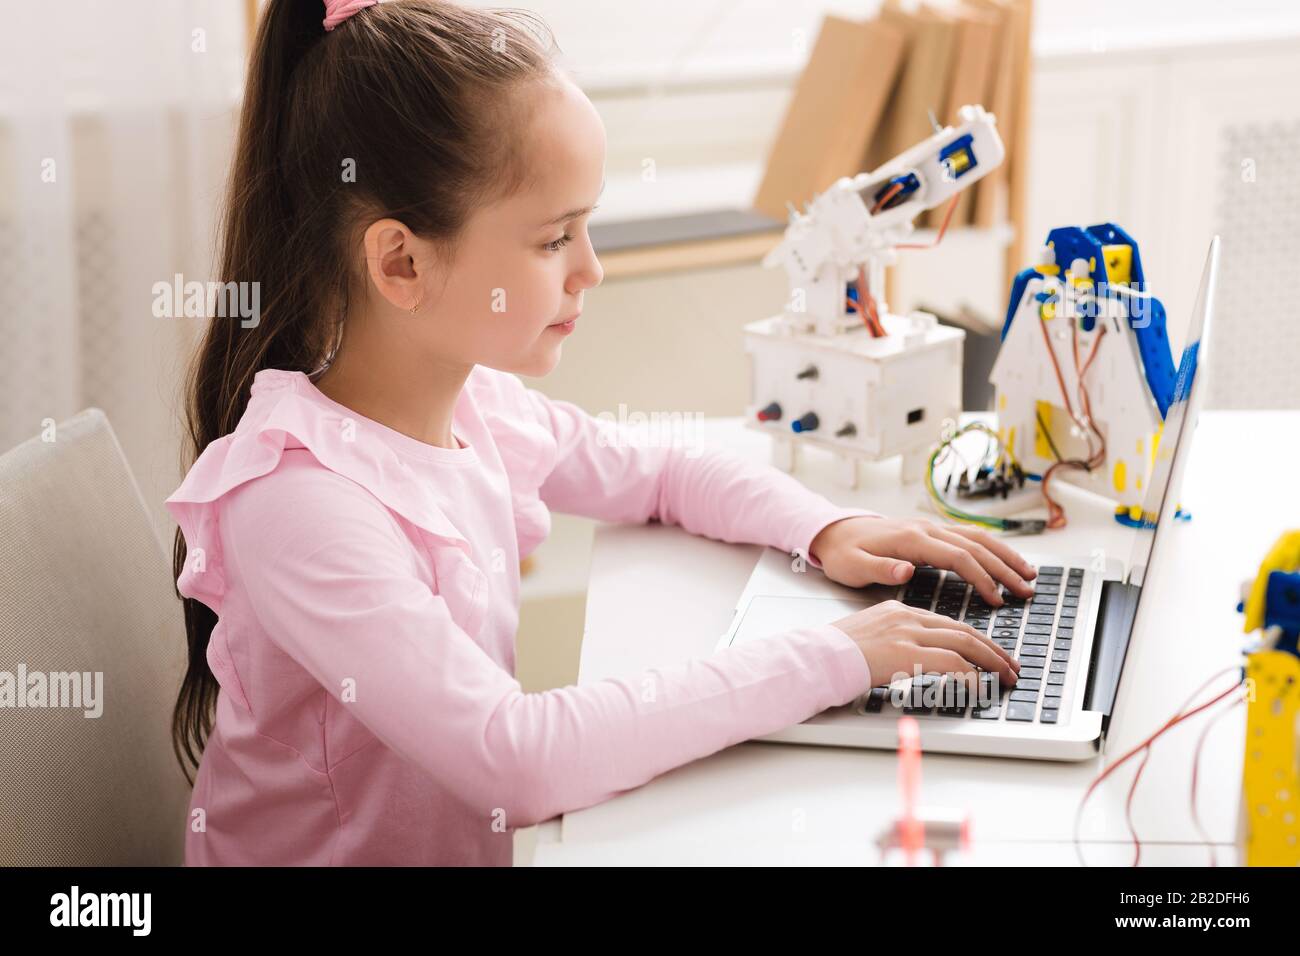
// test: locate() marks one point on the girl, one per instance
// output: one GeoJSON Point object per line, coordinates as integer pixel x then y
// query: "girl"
{"type": "Point", "coordinates": [411, 189]}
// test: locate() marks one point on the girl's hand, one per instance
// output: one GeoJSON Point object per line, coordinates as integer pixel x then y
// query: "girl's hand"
{"type": "Point", "coordinates": [861, 551]}
{"type": "Point", "coordinates": [900, 641]}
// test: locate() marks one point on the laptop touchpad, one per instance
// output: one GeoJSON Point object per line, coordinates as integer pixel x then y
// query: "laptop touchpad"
{"type": "Point", "coordinates": [766, 615]}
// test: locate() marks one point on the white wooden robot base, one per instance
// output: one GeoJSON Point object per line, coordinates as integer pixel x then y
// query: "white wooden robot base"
{"type": "Point", "coordinates": [862, 397]}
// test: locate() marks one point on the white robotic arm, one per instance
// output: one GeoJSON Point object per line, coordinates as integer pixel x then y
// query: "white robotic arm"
{"type": "Point", "coordinates": [860, 221]}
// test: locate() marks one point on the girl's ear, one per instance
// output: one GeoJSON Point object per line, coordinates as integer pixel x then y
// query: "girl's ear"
{"type": "Point", "coordinates": [395, 261]}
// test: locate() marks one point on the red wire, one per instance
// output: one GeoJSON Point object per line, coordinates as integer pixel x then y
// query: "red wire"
{"type": "Point", "coordinates": [1055, 513]}
{"type": "Point", "coordinates": [1196, 767]}
{"type": "Point", "coordinates": [872, 321]}
{"type": "Point", "coordinates": [864, 293]}
{"type": "Point", "coordinates": [866, 305]}
{"type": "Point", "coordinates": [1056, 366]}
{"type": "Point", "coordinates": [943, 227]}
{"type": "Point", "coordinates": [1128, 803]}
{"type": "Point", "coordinates": [1093, 354]}
{"type": "Point", "coordinates": [890, 193]}
{"type": "Point", "coordinates": [1179, 716]}
{"type": "Point", "coordinates": [866, 317]}
{"type": "Point", "coordinates": [1128, 807]}
{"type": "Point", "coordinates": [1085, 400]}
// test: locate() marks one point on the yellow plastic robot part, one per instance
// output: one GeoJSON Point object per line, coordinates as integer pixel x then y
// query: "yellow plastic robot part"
{"type": "Point", "coordinates": [1270, 782]}
{"type": "Point", "coordinates": [1119, 263]}
{"type": "Point", "coordinates": [1119, 475]}
{"type": "Point", "coordinates": [1283, 556]}
{"type": "Point", "coordinates": [1155, 447]}
{"type": "Point", "coordinates": [1132, 513]}
{"type": "Point", "coordinates": [1041, 446]}
{"type": "Point", "coordinates": [1084, 281]}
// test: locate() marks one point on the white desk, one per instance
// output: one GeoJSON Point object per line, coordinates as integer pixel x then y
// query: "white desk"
{"type": "Point", "coordinates": [659, 595]}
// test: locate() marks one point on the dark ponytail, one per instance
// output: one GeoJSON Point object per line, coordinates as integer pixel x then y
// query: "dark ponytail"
{"type": "Point", "coordinates": [420, 100]}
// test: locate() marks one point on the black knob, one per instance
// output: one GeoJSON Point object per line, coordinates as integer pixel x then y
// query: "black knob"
{"type": "Point", "coordinates": [848, 431]}
{"type": "Point", "coordinates": [806, 424]}
{"type": "Point", "coordinates": [809, 372]}
{"type": "Point", "coordinates": [770, 413]}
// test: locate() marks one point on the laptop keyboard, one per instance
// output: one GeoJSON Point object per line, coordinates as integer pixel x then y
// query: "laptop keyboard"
{"type": "Point", "coordinates": [1038, 631]}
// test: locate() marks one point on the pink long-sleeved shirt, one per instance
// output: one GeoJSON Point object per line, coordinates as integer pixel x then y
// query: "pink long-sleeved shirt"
{"type": "Point", "coordinates": [367, 592]}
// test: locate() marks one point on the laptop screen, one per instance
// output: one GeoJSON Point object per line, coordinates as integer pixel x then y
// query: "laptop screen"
{"type": "Point", "coordinates": [1122, 601]}
{"type": "Point", "coordinates": [1161, 500]}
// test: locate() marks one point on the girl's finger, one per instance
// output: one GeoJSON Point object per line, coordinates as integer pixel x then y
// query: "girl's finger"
{"type": "Point", "coordinates": [985, 645]}
{"type": "Point", "coordinates": [990, 561]}
{"type": "Point", "coordinates": [986, 655]}
{"type": "Point", "coordinates": [937, 660]}
{"type": "Point", "coordinates": [931, 619]}
{"type": "Point", "coordinates": [942, 554]}
{"type": "Point", "coordinates": [999, 547]}
{"type": "Point", "coordinates": [873, 569]}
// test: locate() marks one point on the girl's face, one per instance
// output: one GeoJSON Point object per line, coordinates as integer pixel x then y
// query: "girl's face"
{"type": "Point", "coordinates": [522, 263]}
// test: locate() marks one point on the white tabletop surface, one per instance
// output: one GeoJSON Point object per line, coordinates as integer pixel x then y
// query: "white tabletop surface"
{"type": "Point", "coordinates": [659, 595]}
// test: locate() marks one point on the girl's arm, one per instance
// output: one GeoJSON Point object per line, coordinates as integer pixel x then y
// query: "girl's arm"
{"type": "Point", "coordinates": [706, 492]}
{"type": "Point", "coordinates": [332, 580]}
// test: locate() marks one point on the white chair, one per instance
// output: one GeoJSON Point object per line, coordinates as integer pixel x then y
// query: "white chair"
{"type": "Point", "coordinates": [85, 586]}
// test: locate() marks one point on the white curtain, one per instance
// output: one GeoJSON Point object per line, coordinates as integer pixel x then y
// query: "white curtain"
{"type": "Point", "coordinates": [116, 124]}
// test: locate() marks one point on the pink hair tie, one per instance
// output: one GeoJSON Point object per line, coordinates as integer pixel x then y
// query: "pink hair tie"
{"type": "Point", "coordinates": [336, 11]}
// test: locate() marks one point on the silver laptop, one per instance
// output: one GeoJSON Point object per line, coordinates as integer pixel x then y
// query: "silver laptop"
{"type": "Point", "coordinates": [1071, 638]}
